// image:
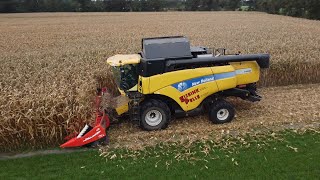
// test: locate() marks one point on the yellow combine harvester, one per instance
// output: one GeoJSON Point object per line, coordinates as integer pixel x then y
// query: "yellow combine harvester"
{"type": "Point", "coordinates": [170, 79]}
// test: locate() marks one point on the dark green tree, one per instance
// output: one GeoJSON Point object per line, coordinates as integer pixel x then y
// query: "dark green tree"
{"type": "Point", "coordinates": [8, 6]}
{"type": "Point", "coordinates": [193, 5]}
{"type": "Point", "coordinates": [84, 5]}
{"type": "Point", "coordinates": [156, 5]}
{"type": "Point", "coordinates": [313, 9]}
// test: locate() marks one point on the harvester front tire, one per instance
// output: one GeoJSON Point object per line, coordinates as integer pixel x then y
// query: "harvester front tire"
{"type": "Point", "coordinates": [155, 115]}
{"type": "Point", "coordinates": [221, 112]}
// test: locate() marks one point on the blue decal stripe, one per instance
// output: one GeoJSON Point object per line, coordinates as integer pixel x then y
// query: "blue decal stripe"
{"type": "Point", "coordinates": [224, 75]}
{"type": "Point", "coordinates": [184, 85]}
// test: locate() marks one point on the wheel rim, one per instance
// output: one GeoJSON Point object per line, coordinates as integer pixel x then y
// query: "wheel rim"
{"type": "Point", "coordinates": [153, 118]}
{"type": "Point", "coordinates": [222, 114]}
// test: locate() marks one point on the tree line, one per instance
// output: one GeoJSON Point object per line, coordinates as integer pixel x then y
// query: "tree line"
{"type": "Point", "coordinates": [298, 8]}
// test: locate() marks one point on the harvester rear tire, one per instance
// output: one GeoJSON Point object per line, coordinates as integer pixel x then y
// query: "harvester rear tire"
{"type": "Point", "coordinates": [155, 115]}
{"type": "Point", "coordinates": [221, 112]}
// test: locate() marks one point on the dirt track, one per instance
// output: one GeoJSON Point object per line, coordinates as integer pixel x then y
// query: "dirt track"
{"type": "Point", "coordinates": [290, 107]}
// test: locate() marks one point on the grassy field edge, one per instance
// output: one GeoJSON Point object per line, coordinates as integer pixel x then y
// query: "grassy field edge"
{"type": "Point", "coordinates": [285, 155]}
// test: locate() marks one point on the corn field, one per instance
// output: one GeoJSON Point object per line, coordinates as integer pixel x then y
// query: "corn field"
{"type": "Point", "coordinates": [51, 63]}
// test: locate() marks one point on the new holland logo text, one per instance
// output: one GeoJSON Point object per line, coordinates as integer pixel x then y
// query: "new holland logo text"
{"type": "Point", "coordinates": [190, 96]}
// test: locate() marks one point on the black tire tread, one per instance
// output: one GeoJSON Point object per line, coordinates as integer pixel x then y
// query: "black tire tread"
{"type": "Point", "coordinates": [155, 103]}
{"type": "Point", "coordinates": [219, 104]}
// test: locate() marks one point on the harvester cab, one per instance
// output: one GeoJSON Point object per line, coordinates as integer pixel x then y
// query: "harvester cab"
{"type": "Point", "coordinates": [125, 71]}
{"type": "Point", "coordinates": [170, 79]}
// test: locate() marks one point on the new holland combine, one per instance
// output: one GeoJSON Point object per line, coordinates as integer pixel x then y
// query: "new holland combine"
{"type": "Point", "coordinates": [170, 79]}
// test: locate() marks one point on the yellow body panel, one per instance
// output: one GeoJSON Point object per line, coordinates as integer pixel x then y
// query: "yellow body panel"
{"type": "Point", "coordinates": [122, 109]}
{"type": "Point", "coordinates": [143, 85]}
{"type": "Point", "coordinates": [222, 69]}
{"type": "Point", "coordinates": [123, 59]}
{"type": "Point", "coordinates": [247, 72]}
{"type": "Point", "coordinates": [162, 80]}
{"type": "Point", "coordinates": [121, 104]}
{"type": "Point", "coordinates": [191, 86]}
{"type": "Point", "coordinates": [134, 88]}
{"type": "Point", "coordinates": [192, 97]}
{"type": "Point", "coordinates": [225, 77]}
{"type": "Point", "coordinates": [121, 92]}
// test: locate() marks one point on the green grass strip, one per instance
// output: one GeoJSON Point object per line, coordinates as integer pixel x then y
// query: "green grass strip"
{"type": "Point", "coordinates": [296, 156]}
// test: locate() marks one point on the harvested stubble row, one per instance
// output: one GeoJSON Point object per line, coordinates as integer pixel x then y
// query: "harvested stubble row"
{"type": "Point", "coordinates": [52, 63]}
{"type": "Point", "coordinates": [293, 107]}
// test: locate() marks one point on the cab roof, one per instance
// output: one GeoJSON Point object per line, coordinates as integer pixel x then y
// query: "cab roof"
{"type": "Point", "coordinates": [166, 47]}
{"type": "Point", "coordinates": [123, 59]}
